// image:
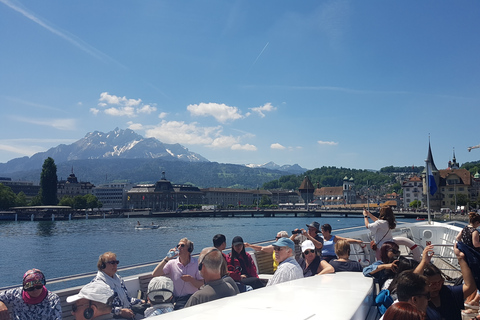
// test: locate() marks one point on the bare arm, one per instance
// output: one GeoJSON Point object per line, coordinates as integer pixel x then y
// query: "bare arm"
{"type": "Point", "coordinates": [476, 239]}
{"type": "Point", "coordinates": [426, 257]}
{"type": "Point", "coordinates": [324, 267]}
{"type": "Point", "coordinates": [459, 236]}
{"type": "Point", "coordinates": [196, 283]}
{"type": "Point", "coordinates": [386, 266]}
{"type": "Point", "coordinates": [267, 249]}
{"type": "Point", "coordinates": [349, 240]}
{"type": "Point", "coordinates": [4, 315]}
{"type": "Point", "coordinates": [316, 243]}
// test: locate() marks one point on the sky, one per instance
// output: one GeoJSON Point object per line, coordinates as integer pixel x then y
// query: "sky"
{"type": "Point", "coordinates": [353, 84]}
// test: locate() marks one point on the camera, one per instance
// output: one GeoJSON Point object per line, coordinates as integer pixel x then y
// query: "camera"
{"type": "Point", "coordinates": [296, 231]}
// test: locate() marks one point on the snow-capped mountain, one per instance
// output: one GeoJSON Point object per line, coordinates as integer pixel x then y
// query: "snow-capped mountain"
{"type": "Point", "coordinates": [295, 169]}
{"type": "Point", "coordinates": [118, 143]}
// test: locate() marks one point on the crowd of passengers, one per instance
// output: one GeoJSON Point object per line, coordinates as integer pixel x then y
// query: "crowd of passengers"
{"type": "Point", "coordinates": [181, 280]}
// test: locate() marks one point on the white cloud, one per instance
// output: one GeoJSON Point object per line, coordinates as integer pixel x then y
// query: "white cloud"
{"type": "Point", "coordinates": [134, 126]}
{"type": "Point", "coordinates": [122, 106]}
{"type": "Point", "coordinates": [221, 112]}
{"type": "Point", "coordinates": [327, 143]}
{"type": "Point", "coordinates": [265, 108]}
{"type": "Point", "coordinates": [246, 147]}
{"type": "Point", "coordinates": [123, 111]}
{"type": "Point", "coordinates": [162, 115]}
{"type": "Point", "coordinates": [146, 109]}
{"type": "Point", "coordinates": [277, 146]}
{"type": "Point", "coordinates": [95, 111]}
{"type": "Point", "coordinates": [224, 142]}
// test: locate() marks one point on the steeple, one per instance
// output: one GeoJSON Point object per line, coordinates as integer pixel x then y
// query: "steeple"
{"type": "Point", "coordinates": [453, 164]}
{"type": "Point", "coordinates": [430, 158]}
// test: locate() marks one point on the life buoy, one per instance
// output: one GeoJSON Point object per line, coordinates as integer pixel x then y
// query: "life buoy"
{"type": "Point", "coordinates": [361, 254]}
{"type": "Point", "coordinates": [416, 251]}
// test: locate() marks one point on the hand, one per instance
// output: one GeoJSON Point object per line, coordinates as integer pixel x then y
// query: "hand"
{"type": "Point", "coordinates": [247, 245]}
{"type": "Point", "coordinates": [427, 253]}
{"type": "Point", "coordinates": [303, 231]}
{"type": "Point", "coordinates": [243, 276]}
{"type": "Point", "coordinates": [392, 266]}
{"type": "Point", "coordinates": [187, 278]}
{"type": "Point", "coordinates": [127, 313]}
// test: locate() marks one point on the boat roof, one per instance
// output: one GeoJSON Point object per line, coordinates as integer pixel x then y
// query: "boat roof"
{"type": "Point", "coordinates": [344, 295]}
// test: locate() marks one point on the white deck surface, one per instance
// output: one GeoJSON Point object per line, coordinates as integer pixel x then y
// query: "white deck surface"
{"type": "Point", "coordinates": [332, 296]}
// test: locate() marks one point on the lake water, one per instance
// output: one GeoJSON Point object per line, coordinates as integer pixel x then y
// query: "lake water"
{"type": "Point", "coordinates": [63, 248]}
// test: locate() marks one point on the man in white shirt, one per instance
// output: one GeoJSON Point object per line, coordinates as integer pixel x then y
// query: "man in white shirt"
{"type": "Point", "coordinates": [288, 268]}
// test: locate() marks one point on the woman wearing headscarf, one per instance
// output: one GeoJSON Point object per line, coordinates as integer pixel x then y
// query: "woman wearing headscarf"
{"type": "Point", "coordinates": [107, 273]}
{"type": "Point", "coordinates": [31, 301]}
{"type": "Point", "coordinates": [241, 266]}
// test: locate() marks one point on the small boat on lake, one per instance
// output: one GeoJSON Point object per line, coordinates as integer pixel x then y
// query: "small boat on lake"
{"type": "Point", "coordinates": [152, 226]}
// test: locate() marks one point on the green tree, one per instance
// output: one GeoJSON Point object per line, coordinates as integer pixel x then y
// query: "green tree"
{"type": "Point", "coordinates": [66, 201]}
{"type": "Point", "coordinates": [7, 197]}
{"type": "Point", "coordinates": [36, 201]}
{"type": "Point", "coordinates": [91, 201]}
{"type": "Point", "coordinates": [462, 199]}
{"type": "Point", "coordinates": [265, 201]}
{"type": "Point", "coordinates": [79, 202]}
{"type": "Point", "coordinates": [21, 199]}
{"type": "Point", "coordinates": [415, 204]}
{"type": "Point", "coordinates": [48, 182]}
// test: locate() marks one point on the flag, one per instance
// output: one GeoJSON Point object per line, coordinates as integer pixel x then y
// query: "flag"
{"type": "Point", "coordinates": [432, 185]}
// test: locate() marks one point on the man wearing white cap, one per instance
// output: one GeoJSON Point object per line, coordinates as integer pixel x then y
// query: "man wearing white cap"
{"type": "Point", "coordinates": [288, 268]}
{"type": "Point", "coordinates": [93, 301]}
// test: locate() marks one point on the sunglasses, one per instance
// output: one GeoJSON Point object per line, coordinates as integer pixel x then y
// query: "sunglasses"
{"type": "Point", "coordinates": [394, 251]}
{"type": "Point", "coordinates": [308, 251]}
{"type": "Point", "coordinates": [75, 307]}
{"type": "Point", "coordinates": [181, 245]}
{"type": "Point", "coordinates": [113, 262]}
{"type": "Point", "coordinates": [35, 287]}
{"type": "Point", "coordinates": [276, 238]}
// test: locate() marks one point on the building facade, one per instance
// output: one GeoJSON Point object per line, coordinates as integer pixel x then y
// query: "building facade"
{"type": "Point", "coordinates": [71, 187]}
{"type": "Point", "coordinates": [112, 195]}
{"type": "Point", "coordinates": [412, 190]}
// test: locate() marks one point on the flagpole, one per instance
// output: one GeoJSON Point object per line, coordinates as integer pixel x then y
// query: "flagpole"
{"type": "Point", "coordinates": [427, 178]}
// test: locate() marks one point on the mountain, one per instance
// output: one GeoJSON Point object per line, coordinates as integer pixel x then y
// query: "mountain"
{"type": "Point", "coordinates": [119, 144]}
{"type": "Point", "coordinates": [292, 169]}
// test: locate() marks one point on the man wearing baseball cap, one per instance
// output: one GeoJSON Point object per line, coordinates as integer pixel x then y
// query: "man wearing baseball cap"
{"type": "Point", "coordinates": [288, 268]}
{"type": "Point", "coordinates": [93, 301]}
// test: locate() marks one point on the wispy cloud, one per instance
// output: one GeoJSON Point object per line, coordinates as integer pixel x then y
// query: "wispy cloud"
{"type": "Point", "coordinates": [262, 109]}
{"type": "Point", "coordinates": [221, 112]}
{"type": "Point", "coordinates": [245, 147]}
{"type": "Point", "coordinates": [34, 104]}
{"type": "Point", "coordinates": [327, 143]}
{"type": "Point", "coordinates": [29, 146]}
{"type": "Point", "coordinates": [60, 124]}
{"type": "Point", "coordinates": [62, 34]}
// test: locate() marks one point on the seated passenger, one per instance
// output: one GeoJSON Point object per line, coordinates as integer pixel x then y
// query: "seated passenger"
{"type": "Point", "coordinates": [288, 268]}
{"type": "Point", "coordinates": [93, 300]}
{"type": "Point", "coordinates": [220, 242]}
{"type": "Point", "coordinates": [183, 272]}
{"type": "Point", "coordinates": [343, 263]}
{"type": "Point", "coordinates": [269, 248]}
{"type": "Point", "coordinates": [329, 241]}
{"type": "Point", "coordinates": [311, 263]}
{"type": "Point", "coordinates": [107, 273]}
{"type": "Point", "coordinates": [386, 267]}
{"type": "Point", "coordinates": [159, 296]}
{"type": "Point", "coordinates": [405, 311]}
{"type": "Point", "coordinates": [216, 286]}
{"type": "Point", "coordinates": [241, 266]}
{"type": "Point", "coordinates": [448, 301]}
{"type": "Point", "coordinates": [31, 301]}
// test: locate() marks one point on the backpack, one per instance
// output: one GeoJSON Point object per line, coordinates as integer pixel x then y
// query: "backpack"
{"type": "Point", "coordinates": [383, 301]}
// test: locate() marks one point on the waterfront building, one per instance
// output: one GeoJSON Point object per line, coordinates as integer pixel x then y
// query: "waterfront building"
{"type": "Point", "coordinates": [112, 195]}
{"type": "Point", "coordinates": [29, 188]}
{"type": "Point", "coordinates": [162, 196]}
{"type": "Point", "coordinates": [334, 196]}
{"type": "Point", "coordinates": [307, 190]}
{"type": "Point", "coordinates": [229, 197]}
{"type": "Point", "coordinates": [412, 190]}
{"type": "Point", "coordinates": [284, 196]}
{"type": "Point", "coordinates": [71, 187]}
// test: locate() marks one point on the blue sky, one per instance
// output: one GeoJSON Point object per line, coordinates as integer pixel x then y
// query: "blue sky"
{"type": "Point", "coordinates": [356, 84]}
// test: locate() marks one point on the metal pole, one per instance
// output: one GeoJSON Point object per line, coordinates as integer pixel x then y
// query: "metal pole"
{"type": "Point", "coordinates": [428, 192]}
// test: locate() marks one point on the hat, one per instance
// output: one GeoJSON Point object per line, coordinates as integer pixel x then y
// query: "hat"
{"type": "Point", "coordinates": [237, 240]}
{"type": "Point", "coordinates": [307, 244]}
{"type": "Point", "coordinates": [160, 289]}
{"type": "Point", "coordinates": [315, 225]}
{"type": "Point", "coordinates": [284, 242]}
{"type": "Point", "coordinates": [95, 291]}
{"type": "Point", "coordinates": [33, 275]}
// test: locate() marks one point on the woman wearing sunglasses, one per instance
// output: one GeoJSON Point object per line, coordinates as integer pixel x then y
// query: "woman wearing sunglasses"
{"type": "Point", "coordinates": [107, 273]}
{"type": "Point", "coordinates": [31, 301]}
{"type": "Point", "coordinates": [311, 263]}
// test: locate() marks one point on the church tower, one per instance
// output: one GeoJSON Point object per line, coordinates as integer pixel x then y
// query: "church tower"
{"type": "Point", "coordinates": [436, 198]}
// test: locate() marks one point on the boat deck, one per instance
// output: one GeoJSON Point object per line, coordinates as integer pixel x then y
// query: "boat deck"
{"type": "Point", "coordinates": [345, 295]}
